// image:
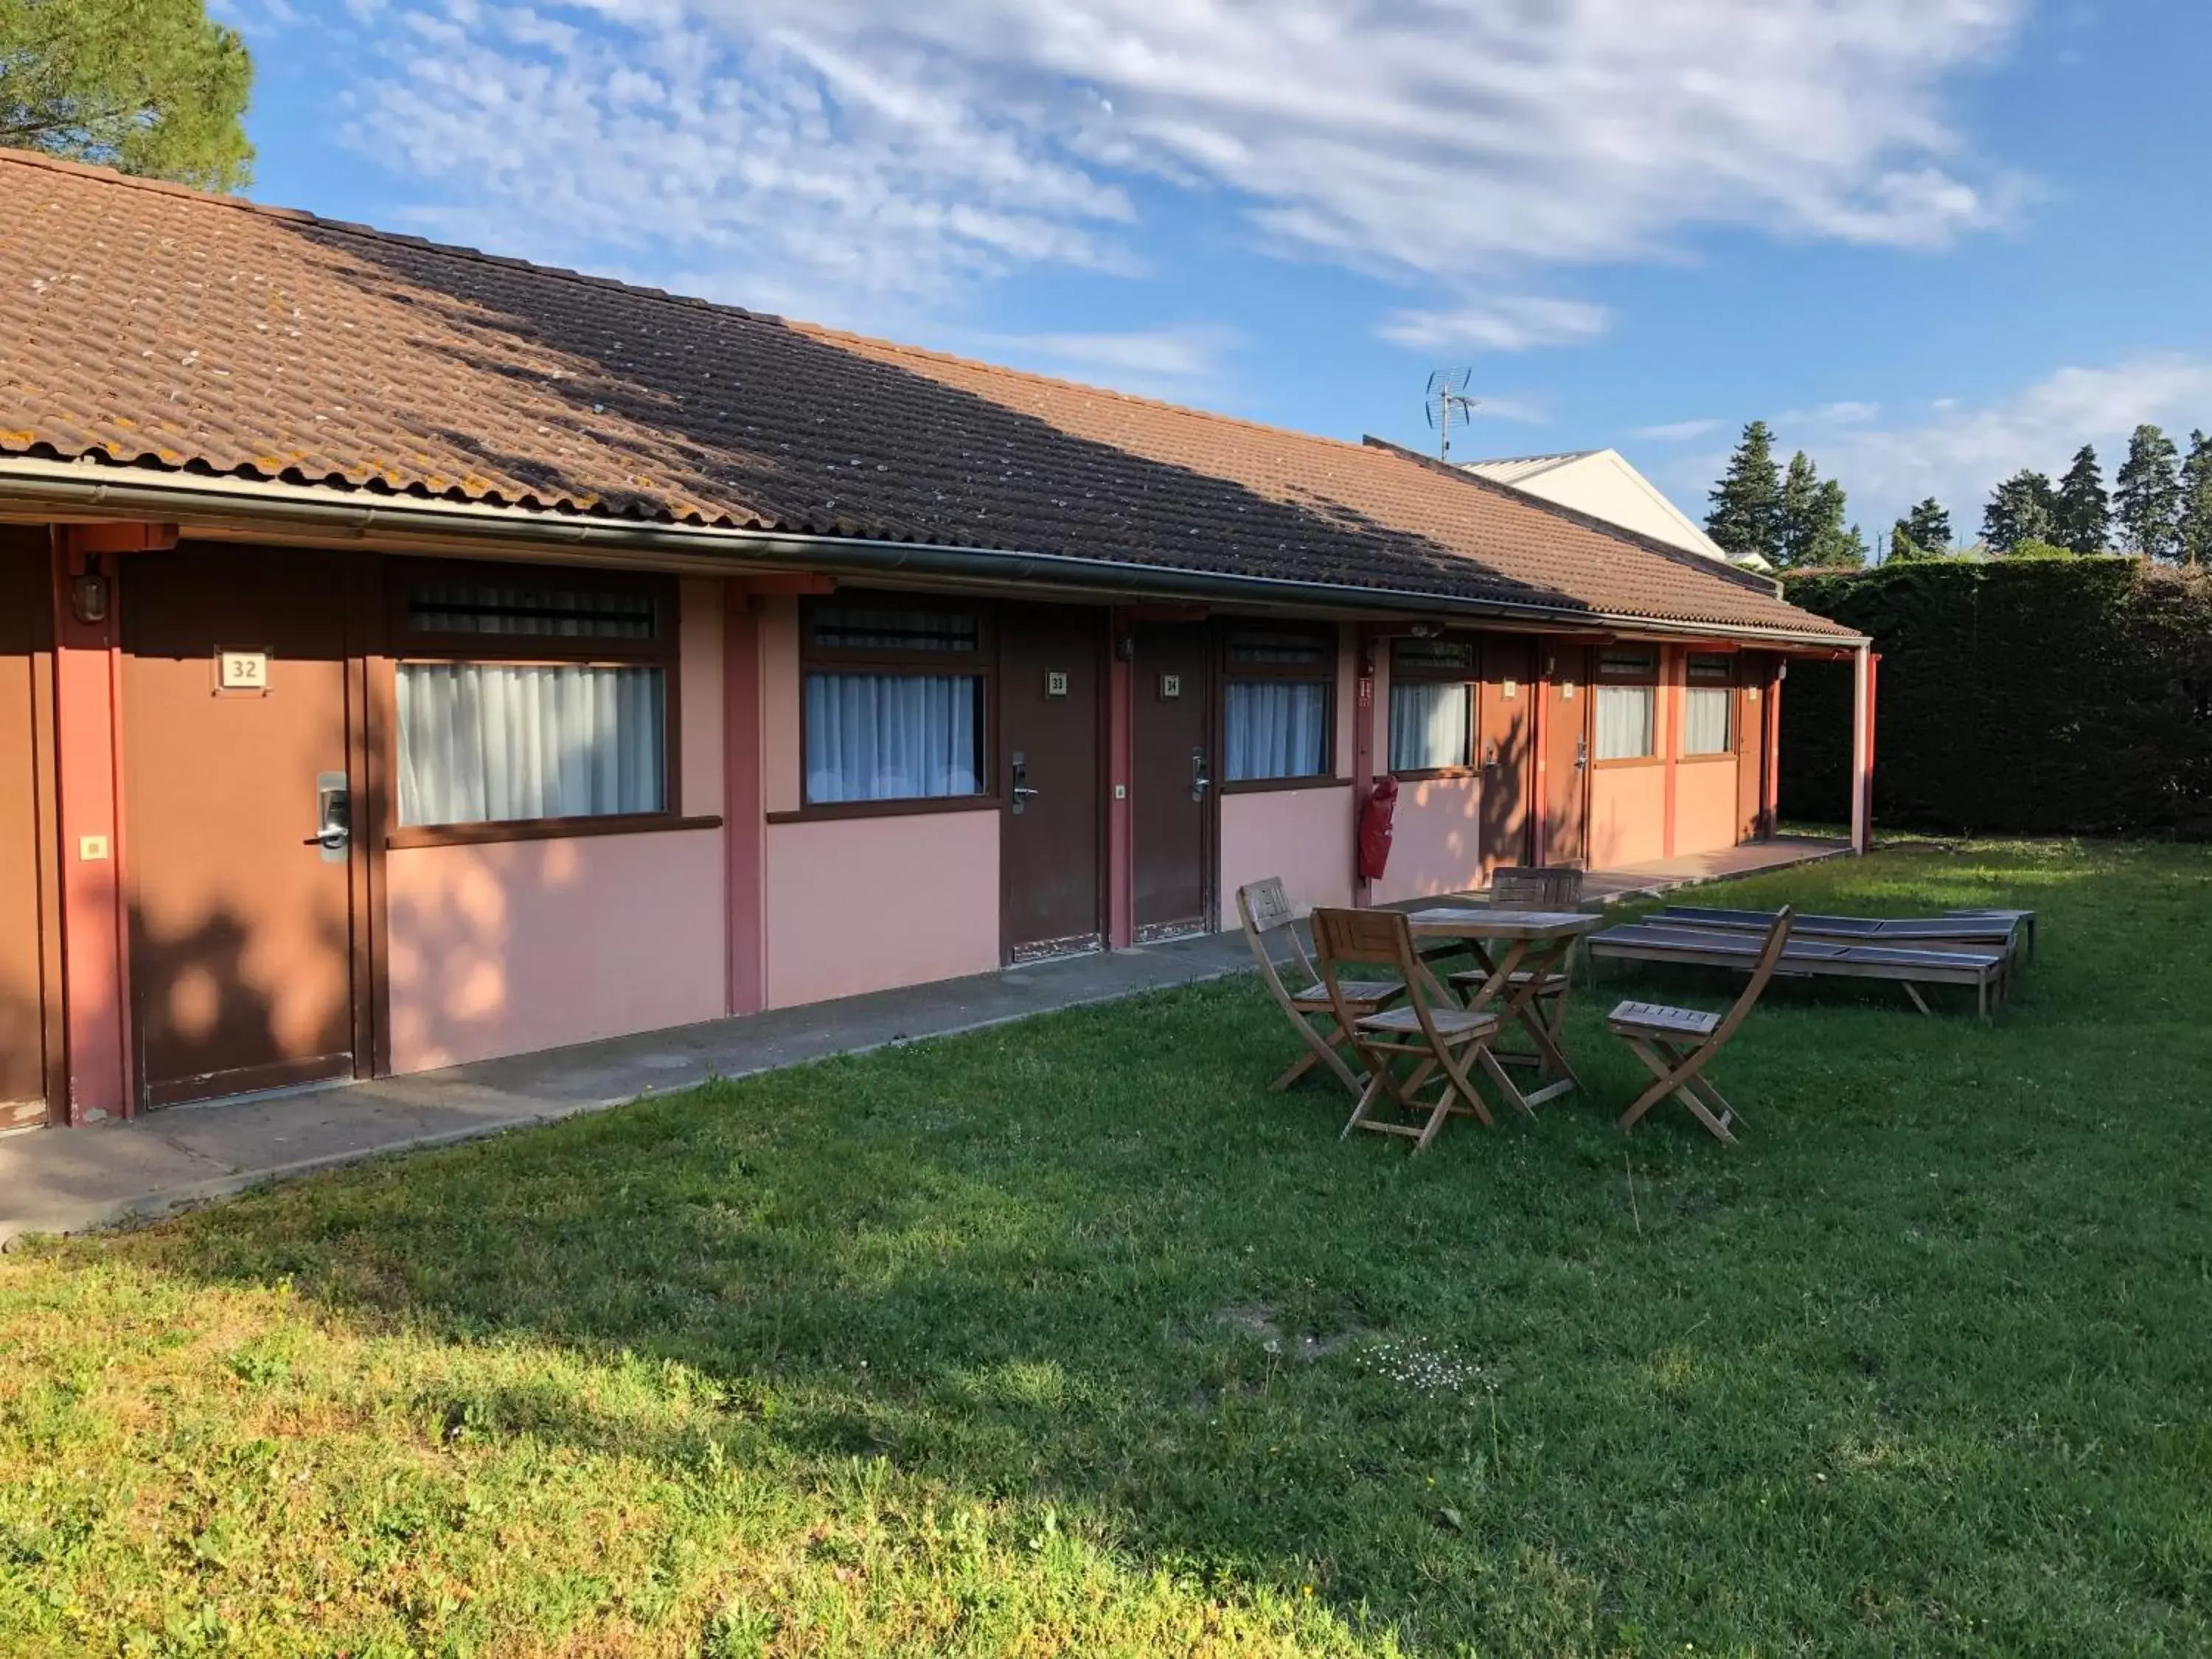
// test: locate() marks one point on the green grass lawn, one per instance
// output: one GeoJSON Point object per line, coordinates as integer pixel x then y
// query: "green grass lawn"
{"type": "Point", "coordinates": [1069, 1335]}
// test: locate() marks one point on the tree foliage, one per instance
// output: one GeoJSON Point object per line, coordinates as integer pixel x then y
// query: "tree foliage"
{"type": "Point", "coordinates": [148, 87]}
{"type": "Point", "coordinates": [1812, 533]}
{"type": "Point", "coordinates": [2148, 499]}
{"type": "Point", "coordinates": [1746, 515]}
{"type": "Point", "coordinates": [2083, 511]}
{"type": "Point", "coordinates": [1929, 525]}
{"type": "Point", "coordinates": [2197, 502]}
{"type": "Point", "coordinates": [2022, 508]}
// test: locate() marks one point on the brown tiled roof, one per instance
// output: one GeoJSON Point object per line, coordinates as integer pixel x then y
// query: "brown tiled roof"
{"type": "Point", "coordinates": [152, 326]}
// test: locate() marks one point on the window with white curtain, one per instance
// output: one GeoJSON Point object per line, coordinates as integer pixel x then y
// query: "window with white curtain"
{"type": "Point", "coordinates": [1432, 722]}
{"type": "Point", "coordinates": [1275, 711]}
{"type": "Point", "coordinates": [893, 737]}
{"type": "Point", "coordinates": [1708, 705]}
{"type": "Point", "coordinates": [1627, 714]}
{"type": "Point", "coordinates": [490, 742]}
{"type": "Point", "coordinates": [1431, 704]}
{"type": "Point", "coordinates": [528, 694]}
{"type": "Point", "coordinates": [1276, 729]}
{"type": "Point", "coordinates": [1624, 721]}
{"type": "Point", "coordinates": [888, 712]}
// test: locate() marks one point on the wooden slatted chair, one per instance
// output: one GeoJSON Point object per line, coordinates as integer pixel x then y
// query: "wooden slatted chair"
{"type": "Point", "coordinates": [1524, 887]}
{"type": "Point", "coordinates": [1676, 1043]}
{"type": "Point", "coordinates": [1266, 912]}
{"type": "Point", "coordinates": [1425, 1028]}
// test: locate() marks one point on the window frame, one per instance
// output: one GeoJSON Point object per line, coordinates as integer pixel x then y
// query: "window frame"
{"type": "Point", "coordinates": [1651, 676]}
{"type": "Point", "coordinates": [1329, 637]}
{"type": "Point", "coordinates": [1726, 682]}
{"type": "Point", "coordinates": [663, 650]}
{"type": "Point", "coordinates": [1469, 676]}
{"type": "Point", "coordinates": [906, 662]}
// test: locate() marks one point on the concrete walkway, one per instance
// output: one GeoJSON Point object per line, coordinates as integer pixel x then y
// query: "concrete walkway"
{"type": "Point", "coordinates": [66, 1181]}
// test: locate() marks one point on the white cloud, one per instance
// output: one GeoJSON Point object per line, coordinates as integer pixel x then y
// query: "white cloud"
{"type": "Point", "coordinates": [1507, 323]}
{"type": "Point", "coordinates": [1959, 454]}
{"type": "Point", "coordinates": [1958, 451]}
{"type": "Point", "coordinates": [1178, 364]}
{"type": "Point", "coordinates": [861, 156]}
{"type": "Point", "coordinates": [1826, 414]}
{"type": "Point", "coordinates": [1676, 432]}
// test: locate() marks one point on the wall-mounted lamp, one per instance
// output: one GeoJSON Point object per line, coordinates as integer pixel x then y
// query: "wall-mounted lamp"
{"type": "Point", "coordinates": [1426, 630]}
{"type": "Point", "coordinates": [88, 598]}
{"type": "Point", "coordinates": [1782, 669]}
{"type": "Point", "coordinates": [1126, 647]}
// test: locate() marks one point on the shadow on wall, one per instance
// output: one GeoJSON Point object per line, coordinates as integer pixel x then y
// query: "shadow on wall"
{"type": "Point", "coordinates": [207, 1019]}
{"type": "Point", "coordinates": [768, 422]}
{"type": "Point", "coordinates": [23, 1055]}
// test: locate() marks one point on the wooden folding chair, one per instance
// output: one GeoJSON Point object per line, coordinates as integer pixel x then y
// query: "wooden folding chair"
{"type": "Point", "coordinates": [1662, 1036]}
{"type": "Point", "coordinates": [1426, 1028]}
{"type": "Point", "coordinates": [1267, 915]}
{"type": "Point", "coordinates": [1525, 887]}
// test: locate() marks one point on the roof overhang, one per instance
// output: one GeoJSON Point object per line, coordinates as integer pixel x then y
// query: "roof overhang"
{"type": "Point", "coordinates": [248, 509]}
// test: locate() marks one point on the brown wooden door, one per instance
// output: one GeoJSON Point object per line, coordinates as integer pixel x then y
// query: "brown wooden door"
{"type": "Point", "coordinates": [241, 924]}
{"type": "Point", "coordinates": [1567, 699]}
{"type": "Point", "coordinates": [1051, 694]}
{"type": "Point", "coordinates": [1751, 680]}
{"type": "Point", "coordinates": [1170, 779]}
{"type": "Point", "coordinates": [1505, 748]}
{"type": "Point", "coordinates": [29, 1043]}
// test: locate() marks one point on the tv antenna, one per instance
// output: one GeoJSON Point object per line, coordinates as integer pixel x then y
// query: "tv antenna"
{"type": "Point", "coordinates": [1445, 402]}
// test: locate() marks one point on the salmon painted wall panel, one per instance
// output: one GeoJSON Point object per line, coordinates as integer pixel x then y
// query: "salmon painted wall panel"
{"type": "Point", "coordinates": [864, 904]}
{"type": "Point", "coordinates": [1628, 816]}
{"type": "Point", "coordinates": [699, 639]}
{"type": "Point", "coordinates": [1304, 836]}
{"type": "Point", "coordinates": [1705, 805]}
{"type": "Point", "coordinates": [780, 716]}
{"type": "Point", "coordinates": [1435, 847]}
{"type": "Point", "coordinates": [513, 946]}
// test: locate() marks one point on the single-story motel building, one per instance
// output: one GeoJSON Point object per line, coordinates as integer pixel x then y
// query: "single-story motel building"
{"type": "Point", "coordinates": [410, 656]}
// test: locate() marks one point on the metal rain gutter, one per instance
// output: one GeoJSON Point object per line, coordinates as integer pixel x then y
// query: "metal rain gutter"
{"type": "Point", "coordinates": [64, 489]}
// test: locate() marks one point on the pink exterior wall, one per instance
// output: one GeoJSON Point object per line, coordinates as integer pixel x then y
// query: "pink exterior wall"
{"type": "Point", "coordinates": [1628, 815]}
{"type": "Point", "coordinates": [512, 946]}
{"type": "Point", "coordinates": [779, 746]}
{"type": "Point", "coordinates": [863, 904]}
{"type": "Point", "coordinates": [1304, 836]}
{"type": "Point", "coordinates": [1705, 805]}
{"type": "Point", "coordinates": [699, 643]}
{"type": "Point", "coordinates": [1436, 843]}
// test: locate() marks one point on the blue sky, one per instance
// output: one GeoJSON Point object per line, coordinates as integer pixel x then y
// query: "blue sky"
{"type": "Point", "coordinates": [1930, 241]}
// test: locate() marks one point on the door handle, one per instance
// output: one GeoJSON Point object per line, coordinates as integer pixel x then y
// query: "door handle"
{"type": "Point", "coordinates": [1490, 757]}
{"type": "Point", "coordinates": [333, 816]}
{"type": "Point", "coordinates": [1021, 791]}
{"type": "Point", "coordinates": [1582, 753]}
{"type": "Point", "coordinates": [1199, 783]}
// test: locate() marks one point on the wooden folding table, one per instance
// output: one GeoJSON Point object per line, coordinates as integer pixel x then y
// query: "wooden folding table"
{"type": "Point", "coordinates": [1536, 944]}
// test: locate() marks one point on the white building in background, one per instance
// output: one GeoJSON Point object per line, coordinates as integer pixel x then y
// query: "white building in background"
{"type": "Point", "coordinates": [1602, 483]}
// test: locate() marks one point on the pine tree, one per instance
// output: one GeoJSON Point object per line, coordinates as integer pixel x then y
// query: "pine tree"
{"type": "Point", "coordinates": [2020, 509]}
{"type": "Point", "coordinates": [1799, 512]}
{"type": "Point", "coordinates": [150, 87]}
{"type": "Point", "coordinates": [1902, 548]}
{"type": "Point", "coordinates": [2196, 500]}
{"type": "Point", "coordinates": [2082, 515]}
{"type": "Point", "coordinates": [2148, 499]}
{"type": "Point", "coordinates": [1930, 527]}
{"type": "Point", "coordinates": [1747, 502]}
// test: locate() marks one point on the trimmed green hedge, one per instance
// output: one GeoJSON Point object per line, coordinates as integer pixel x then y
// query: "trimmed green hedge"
{"type": "Point", "coordinates": [2060, 695]}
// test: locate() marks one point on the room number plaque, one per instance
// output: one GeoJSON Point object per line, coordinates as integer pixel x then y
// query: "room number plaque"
{"type": "Point", "coordinates": [241, 670]}
{"type": "Point", "coordinates": [1055, 682]}
{"type": "Point", "coordinates": [1171, 687]}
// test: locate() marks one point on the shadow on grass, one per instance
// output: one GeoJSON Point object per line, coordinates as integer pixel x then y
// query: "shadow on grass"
{"type": "Point", "coordinates": [1539, 1385]}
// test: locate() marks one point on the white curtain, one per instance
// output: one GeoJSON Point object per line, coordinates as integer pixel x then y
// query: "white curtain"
{"type": "Point", "coordinates": [1624, 720]}
{"type": "Point", "coordinates": [483, 743]}
{"type": "Point", "coordinates": [1706, 720]}
{"type": "Point", "coordinates": [892, 737]}
{"type": "Point", "coordinates": [1430, 725]}
{"type": "Point", "coordinates": [1276, 729]}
